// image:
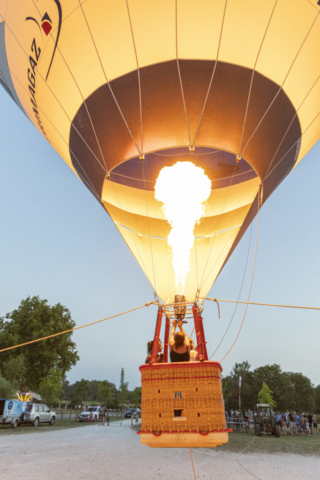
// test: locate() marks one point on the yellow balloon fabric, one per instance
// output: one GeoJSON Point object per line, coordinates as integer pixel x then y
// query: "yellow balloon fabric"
{"type": "Point", "coordinates": [122, 89]}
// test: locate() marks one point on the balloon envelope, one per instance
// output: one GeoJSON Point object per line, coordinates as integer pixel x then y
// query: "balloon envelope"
{"type": "Point", "coordinates": [108, 83]}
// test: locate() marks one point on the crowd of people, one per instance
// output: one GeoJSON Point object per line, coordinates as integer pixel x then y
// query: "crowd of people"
{"type": "Point", "coordinates": [303, 424]}
{"type": "Point", "coordinates": [293, 423]}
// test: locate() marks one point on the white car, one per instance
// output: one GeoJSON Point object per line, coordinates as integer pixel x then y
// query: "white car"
{"type": "Point", "coordinates": [85, 416]}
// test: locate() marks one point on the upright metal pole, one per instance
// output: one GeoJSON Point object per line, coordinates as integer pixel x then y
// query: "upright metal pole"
{"type": "Point", "coordinates": [155, 346]}
{"type": "Point", "coordinates": [166, 340]}
{"type": "Point", "coordinates": [204, 343]}
{"type": "Point", "coordinates": [197, 329]}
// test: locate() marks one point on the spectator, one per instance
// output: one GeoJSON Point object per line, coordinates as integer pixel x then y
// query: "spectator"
{"type": "Point", "coordinates": [291, 420]}
{"type": "Point", "coordinates": [288, 428]}
{"type": "Point", "coordinates": [279, 420]}
{"type": "Point", "coordinates": [299, 430]}
{"type": "Point", "coordinates": [304, 421]}
{"type": "Point", "coordinates": [309, 416]}
{"type": "Point", "coordinates": [315, 422]}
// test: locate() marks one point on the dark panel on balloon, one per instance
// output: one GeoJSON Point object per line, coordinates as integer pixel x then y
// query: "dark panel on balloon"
{"type": "Point", "coordinates": [225, 108]}
{"type": "Point", "coordinates": [164, 123]}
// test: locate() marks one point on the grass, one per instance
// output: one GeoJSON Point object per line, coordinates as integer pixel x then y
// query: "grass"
{"type": "Point", "coordinates": [291, 444]}
{"type": "Point", "coordinates": [45, 427]}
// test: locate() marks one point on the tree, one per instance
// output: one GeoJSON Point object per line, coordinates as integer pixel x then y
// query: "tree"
{"type": "Point", "coordinates": [33, 319]}
{"type": "Point", "coordinates": [123, 389]}
{"type": "Point", "coordinates": [105, 395]}
{"type": "Point", "coordinates": [14, 370]}
{"type": "Point", "coordinates": [317, 399]}
{"type": "Point", "coordinates": [6, 389]}
{"type": "Point", "coordinates": [230, 387]}
{"type": "Point", "coordinates": [265, 395]}
{"type": "Point", "coordinates": [81, 392]}
{"type": "Point", "coordinates": [135, 396]}
{"type": "Point", "coordinates": [50, 387]}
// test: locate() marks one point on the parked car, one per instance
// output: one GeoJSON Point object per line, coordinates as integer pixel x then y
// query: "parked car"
{"type": "Point", "coordinates": [12, 411]}
{"type": "Point", "coordinates": [38, 413]}
{"type": "Point", "coordinates": [129, 412]}
{"type": "Point", "coordinates": [85, 416]}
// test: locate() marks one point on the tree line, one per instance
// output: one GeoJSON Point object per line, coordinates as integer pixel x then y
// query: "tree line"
{"type": "Point", "coordinates": [290, 391]}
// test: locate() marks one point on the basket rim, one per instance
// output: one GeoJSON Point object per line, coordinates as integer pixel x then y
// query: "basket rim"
{"type": "Point", "coordinates": [175, 365]}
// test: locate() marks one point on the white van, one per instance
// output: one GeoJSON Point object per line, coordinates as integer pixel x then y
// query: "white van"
{"type": "Point", "coordinates": [11, 411]}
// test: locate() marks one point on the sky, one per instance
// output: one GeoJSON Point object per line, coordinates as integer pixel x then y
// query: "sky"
{"type": "Point", "coordinates": [57, 242]}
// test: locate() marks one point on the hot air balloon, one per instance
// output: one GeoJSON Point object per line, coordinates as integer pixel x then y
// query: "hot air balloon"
{"type": "Point", "coordinates": [180, 116]}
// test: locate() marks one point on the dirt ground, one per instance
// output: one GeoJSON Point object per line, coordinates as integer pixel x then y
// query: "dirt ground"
{"type": "Point", "coordinates": [96, 452]}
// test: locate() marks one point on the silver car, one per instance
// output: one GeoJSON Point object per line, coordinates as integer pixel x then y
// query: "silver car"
{"type": "Point", "coordinates": [38, 413]}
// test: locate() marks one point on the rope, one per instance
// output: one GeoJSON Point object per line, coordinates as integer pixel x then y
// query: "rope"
{"type": "Point", "coordinates": [105, 75]}
{"type": "Point", "coordinates": [264, 304]}
{"type": "Point", "coordinates": [241, 451]}
{"type": "Point", "coordinates": [79, 90]}
{"type": "Point", "coordinates": [234, 312]}
{"type": "Point", "coordinates": [194, 472]}
{"type": "Point", "coordinates": [76, 328]}
{"type": "Point", "coordinates": [252, 76]}
{"type": "Point", "coordinates": [139, 80]}
{"type": "Point", "coordinates": [212, 76]}
{"type": "Point", "coordinates": [180, 79]}
{"type": "Point", "coordinates": [281, 86]}
{"type": "Point", "coordinates": [254, 265]}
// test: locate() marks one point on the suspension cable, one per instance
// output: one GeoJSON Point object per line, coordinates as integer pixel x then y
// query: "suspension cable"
{"type": "Point", "coordinates": [76, 328]}
{"type": "Point", "coordinates": [253, 270]}
{"type": "Point", "coordinates": [235, 309]}
{"type": "Point", "coordinates": [262, 304]}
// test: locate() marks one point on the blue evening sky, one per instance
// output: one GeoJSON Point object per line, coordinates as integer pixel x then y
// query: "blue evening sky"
{"type": "Point", "coordinates": [57, 242]}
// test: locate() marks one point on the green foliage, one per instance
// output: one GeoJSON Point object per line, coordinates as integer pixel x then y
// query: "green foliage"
{"type": "Point", "coordinates": [135, 396]}
{"type": "Point", "coordinates": [50, 387]}
{"type": "Point", "coordinates": [81, 392]}
{"type": "Point", "coordinates": [317, 399]}
{"type": "Point", "coordinates": [33, 319]}
{"type": "Point", "coordinates": [105, 393]}
{"type": "Point", "coordinates": [14, 370]}
{"type": "Point", "coordinates": [123, 389]}
{"type": "Point", "coordinates": [265, 395]}
{"type": "Point", "coordinates": [7, 390]}
{"type": "Point", "coordinates": [291, 391]}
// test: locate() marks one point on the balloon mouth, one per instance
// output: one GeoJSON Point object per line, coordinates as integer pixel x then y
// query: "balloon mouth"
{"type": "Point", "coordinates": [219, 165]}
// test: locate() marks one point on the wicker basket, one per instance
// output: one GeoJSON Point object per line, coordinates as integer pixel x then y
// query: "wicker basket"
{"type": "Point", "coordinates": [182, 405]}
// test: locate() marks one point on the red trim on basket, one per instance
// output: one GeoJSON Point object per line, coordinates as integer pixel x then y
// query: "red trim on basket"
{"type": "Point", "coordinates": [176, 378]}
{"type": "Point", "coordinates": [163, 366]}
{"type": "Point", "coordinates": [158, 434]}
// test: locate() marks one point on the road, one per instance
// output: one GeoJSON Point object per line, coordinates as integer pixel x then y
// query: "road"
{"type": "Point", "coordinates": [95, 452]}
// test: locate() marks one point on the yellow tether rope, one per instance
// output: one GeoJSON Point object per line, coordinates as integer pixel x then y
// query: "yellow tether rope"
{"type": "Point", "coordinates": [76, 328]}
{"type": "Point", "coordinates": [263, 304]}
